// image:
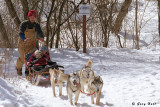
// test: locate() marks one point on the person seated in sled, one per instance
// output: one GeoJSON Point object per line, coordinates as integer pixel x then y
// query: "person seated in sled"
{"type": "Point", "coordinates": [45, 52]}
{"type": "Point", "coordinates": [39, 59]}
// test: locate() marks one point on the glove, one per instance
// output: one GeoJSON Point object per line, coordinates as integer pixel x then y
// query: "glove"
{"type": "Point", "coordinates": [27, 40]}
{"type": "Point", "coordinates": [27, 63]}
{"type": "Point", "coordinates": [51, 63]}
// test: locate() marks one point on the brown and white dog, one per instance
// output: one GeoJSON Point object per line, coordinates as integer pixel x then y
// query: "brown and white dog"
{"type": "Point", "coordinates": [73, 87]}
{"type": "Point", "coordinates": [85, 74]}
{"type": "Point", "coordinates": [95, 85]}
{"type": "Point", "coordinates": [57, 77]}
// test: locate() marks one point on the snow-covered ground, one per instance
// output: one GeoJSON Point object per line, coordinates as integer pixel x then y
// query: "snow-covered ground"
{"type": "Point", "coordinates": [130, 77]}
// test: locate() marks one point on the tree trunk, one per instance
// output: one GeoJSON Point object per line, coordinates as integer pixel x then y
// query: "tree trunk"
{"type": "Point", "coordinates": [74, 36]}
{"type": "Point", "coordinates": [4, 34]}
{"type": "Point", "coordinates": [75, 42]}
{"type": "Point", "coordinates": [123, 12]}
{"type": "Point", "coordinates": [105, 10]}
{"type": "Point", "coordinates": [53, 32]}
{"type": "Point", "coordinates": [25, 8]}
{"type": "Point", "coordinates": [136, 18]}
{"type": "Point", "coordinates": [13, 13]}
{"type": "Point", "coordinates": [118, 23]}
{"type": "Point", "coordinates": [48, 20]}
{"type": "Point", "coordinates": [40, 12]}
{"type": "Point", "coordinates": [59, 23]}
{"type": "Point", "coordinates": [35, 4]}
{"type": "Point", "coordinates": [159, 19]}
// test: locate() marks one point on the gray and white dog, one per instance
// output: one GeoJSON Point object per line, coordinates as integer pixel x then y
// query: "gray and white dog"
{"type": "Point", "coordinates": [73, 87]}
{"type": "Point", "coordinates": [85, 74]}
{"type": "Point", "coordinates": [95, 85]}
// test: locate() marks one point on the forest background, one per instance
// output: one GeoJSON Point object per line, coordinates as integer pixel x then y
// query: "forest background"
{"type": "Point", "coordinates": [111, 23]}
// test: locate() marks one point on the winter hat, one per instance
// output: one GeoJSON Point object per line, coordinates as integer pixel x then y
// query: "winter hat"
{"type": "Point", "coordinates": [44, 48]}
{"type": "Point", "coordinates": [38, 52]}
{"type": "Point", "coordinates": [32, 13]}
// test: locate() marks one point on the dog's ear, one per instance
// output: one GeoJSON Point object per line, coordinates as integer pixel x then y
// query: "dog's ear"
{"type": "Point", "coordinates": [101, 79]}
{"type": "Point", "coordinates": [72, 72]}
{"type": "Point", "coordinates": [89, 63]}
{"type": "Point", "coordinates": [84, 68]}
{"type": "Point", "coordinates": [78, 74]}
{"type": "Point", "coordinates": [98, 77]}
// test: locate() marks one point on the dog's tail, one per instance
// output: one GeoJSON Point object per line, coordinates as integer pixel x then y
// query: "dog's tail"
{"type": "Point", "coordinates": [89, 63]}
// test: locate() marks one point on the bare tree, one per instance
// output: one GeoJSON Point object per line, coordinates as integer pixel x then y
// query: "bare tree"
{"type": "Point", "coordinates": [59, 22]}
{"type": "Point", "coordinates": [40, 11]}
{"type": "Point", "coordinates": [13, 13]}
{"type": "Point", "coordinates": [4, 34]}
{"type": "Point", "coordinates": [106, 12]}
{"type": "Point", "coordinates": [159, 19]}
{"type": "Point", "coordinates": [48, 20]}
{"type": "Point", "coordinates": [118, 23]}
{"type": "Point", "coordinates": [136, 19]}
{"type": "Point", "coordinates": [72, 24]}
{"type": "Point", "coordinates": [25, 8]}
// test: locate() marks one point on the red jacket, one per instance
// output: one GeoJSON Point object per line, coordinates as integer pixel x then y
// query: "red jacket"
{"type": "Point", "coordinates": [41, 61]}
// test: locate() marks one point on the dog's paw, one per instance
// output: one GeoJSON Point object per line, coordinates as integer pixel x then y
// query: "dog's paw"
{"type": "Point", "coordinates": [71, 103]}
{"type": "Point", "coordinates": [75, 103]}
{"type": "Point", "coordinates": [97, 103]}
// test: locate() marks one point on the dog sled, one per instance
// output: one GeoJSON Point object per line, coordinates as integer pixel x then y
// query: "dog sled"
{"type": "Point", "coordinates": [41, 75]}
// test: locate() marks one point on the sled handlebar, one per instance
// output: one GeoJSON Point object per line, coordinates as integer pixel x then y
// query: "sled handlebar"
{"type": "Point", "coordinates": [47, 68]}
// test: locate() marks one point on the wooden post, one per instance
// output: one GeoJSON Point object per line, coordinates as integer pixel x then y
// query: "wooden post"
{"type": "Point", "coordinates": [84, 33]}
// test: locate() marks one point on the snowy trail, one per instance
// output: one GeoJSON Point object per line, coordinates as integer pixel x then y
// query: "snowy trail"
{"type": "Point", "coordinates": [129, 76]}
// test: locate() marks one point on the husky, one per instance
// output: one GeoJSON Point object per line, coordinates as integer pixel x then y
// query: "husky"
{"type": "Point", "coordinates": [73, 86]}
{"type": "Point", "coordinates": [95, 85]}
{"type": "Point", "coordinates": [85, 74]}
{"type": "Point", "coordinates": [57, 77]}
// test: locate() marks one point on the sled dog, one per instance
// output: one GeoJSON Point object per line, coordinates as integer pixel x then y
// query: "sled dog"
{"type": "Point", "coordinates": [57, 77]}
{"type": "Point", "coordinates": [85, 73]}
{"type": "Point", "coordinates": [73, 86]}
{"type": "Point", "coordinates": [95, 85]}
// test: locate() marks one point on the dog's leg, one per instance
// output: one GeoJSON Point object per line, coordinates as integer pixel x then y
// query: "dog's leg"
{"type": "Point", "coordinates": [60, 89]}
{"type": "Point", "coordinates": [77, 96]}
{"type": "Point", "coordinates": [70, 97]}
{"type": "Point", "coordinates": [53, 87]}
{"type": "Point", "coordinates": [98, 98]}
{"type": "Point", "coordinates": [82, 88]}
{"type": "Point", "coordinates": [92, 98]}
